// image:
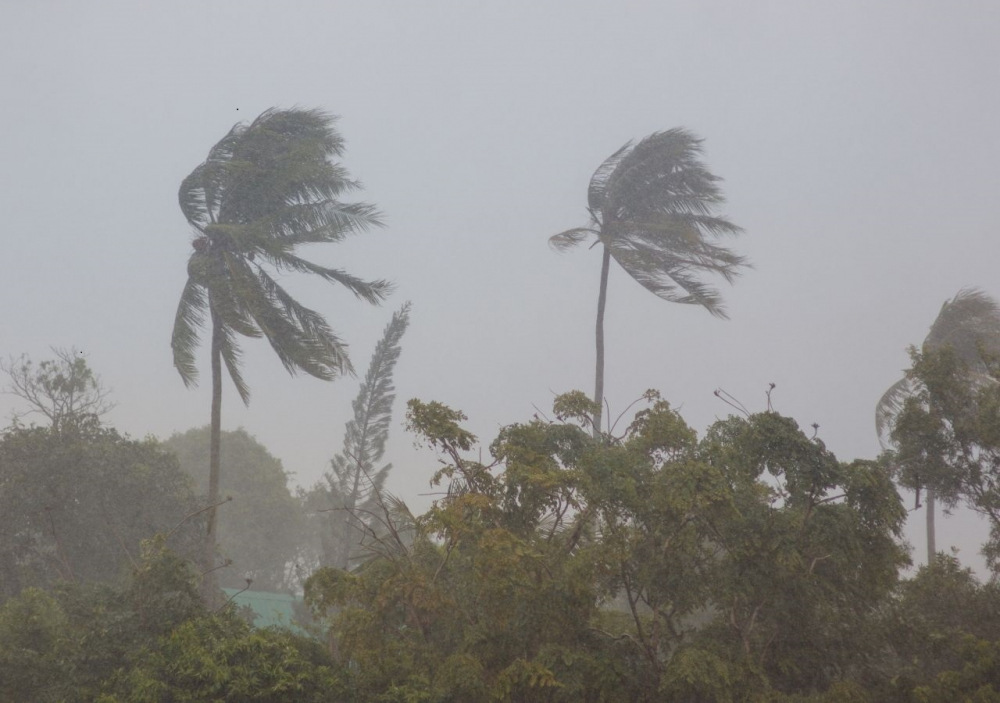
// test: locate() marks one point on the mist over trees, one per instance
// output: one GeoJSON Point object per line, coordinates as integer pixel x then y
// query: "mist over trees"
{"type": "Point", "coordinates": [569, 557]}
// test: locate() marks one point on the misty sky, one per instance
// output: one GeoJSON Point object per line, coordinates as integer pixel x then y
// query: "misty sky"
{"type": "Point", "coordinates": [858, 142]}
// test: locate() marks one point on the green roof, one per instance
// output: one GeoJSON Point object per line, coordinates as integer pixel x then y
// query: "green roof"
{"type": "Point", "coordinates": [270, 609]}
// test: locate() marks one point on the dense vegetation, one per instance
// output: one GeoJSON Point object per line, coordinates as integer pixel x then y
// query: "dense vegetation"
{"type": "Point", "coordinates": [566, 560]}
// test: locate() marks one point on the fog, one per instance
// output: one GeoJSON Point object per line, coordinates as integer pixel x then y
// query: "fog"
{"type": "Point", "coordinates": [857, 141]}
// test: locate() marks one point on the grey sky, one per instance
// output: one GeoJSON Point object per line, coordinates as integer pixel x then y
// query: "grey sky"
{"type": "Point", "coordinates": [857, 140]}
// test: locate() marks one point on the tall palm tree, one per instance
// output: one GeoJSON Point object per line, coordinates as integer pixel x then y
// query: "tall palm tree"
{"type": "Point", "coordinates": [265, 189]}
{"type": "Point", "coordinates": [969, 324]}
{"type": "Point", "coordinates": [653, 209]}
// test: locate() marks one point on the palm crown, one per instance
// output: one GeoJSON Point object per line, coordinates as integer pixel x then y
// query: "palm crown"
{"type": "Point", "coordinates": [969, 324]}
{"type": "Point", "coordinates": [653, 206]}
{"type": "Point", "coordinates": [265, 189]}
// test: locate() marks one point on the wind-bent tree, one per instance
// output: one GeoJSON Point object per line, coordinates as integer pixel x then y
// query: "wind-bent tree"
{"type": "Point", "coordinates": [969, 324]}
{"type": "Point", "coordinates": [265, 189]}
{"type": "Point", "coordinates": [653, 208]}
{"type": "Point", "coordinates": [353, 484]}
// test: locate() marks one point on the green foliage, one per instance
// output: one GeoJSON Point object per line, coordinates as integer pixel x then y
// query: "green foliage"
{"type": "Point", "coordinates": [437, 424]}
{"type": "Point", "coordinates": [223, 658]}
{"type": "Point", "coordinates": [262, 528]}
{"type": "Point", "coordinates": [946, 434]}
{"type": "Point", "coordinates": [644, 567]}
{"type": "Point", "coordinates": [75, 505]}
{"type": "Point", "coordinates": [150, 640]}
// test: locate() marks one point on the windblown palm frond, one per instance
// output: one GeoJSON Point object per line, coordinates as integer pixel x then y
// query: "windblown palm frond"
{"type": "Point", "coordinates": [654, 204]}
{"type": "Point", "coordinates": [970, 324]}
{"type": "Point", "coordinates": [265, 189]}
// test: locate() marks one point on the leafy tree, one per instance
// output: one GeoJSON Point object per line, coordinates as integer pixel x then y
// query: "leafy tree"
{"type": "Point", "coordinates": [647, 567]}
{"type": "Point", "coordinates": [969, 324]}
{"type": "Point", "coordinates": [351, 493]}
{"type": "Point", "coordinates": [151, 639]}
{"type": "Point", "coordinates": [75, 506]}
{"type": "Point", "coordinates": [946, 435]}
{"type": "Point", "coordinates": [653, 209]}
{"type": "Point", "coordinates": [932, 618]}
{"type": "Point", "coordinates": [63, 390]}
{"type": "Point", "coordinates": [265, 189]}
{"type": "Point", "coordinates": [261, 528]}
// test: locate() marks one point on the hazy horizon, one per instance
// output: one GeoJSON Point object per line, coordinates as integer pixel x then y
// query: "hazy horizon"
{"type": "Point", "coordinates": [857, 142]}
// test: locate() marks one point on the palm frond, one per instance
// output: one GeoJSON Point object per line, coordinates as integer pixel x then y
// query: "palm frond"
{"type": "Point", "coordinates": [373, 292]}
{"type": "Point", "coordinates": [564, 241]}
{"type": "Point", "coordinates": [264, 189]}
{"type": "Point", "coordinates": [969, 323]}
{"type": "Point", "coordinates": [890, 405]}
{"type": "Point", "coordinates": [599, 181]}
{"type": "Point", "coordinates": [666, 275]}
{"type": "Point", "coordinates": [231, 356]}
{"type": "Point", "coordinates": [184, 340]}
{"type": "Point", "coordinates": [654, 205]}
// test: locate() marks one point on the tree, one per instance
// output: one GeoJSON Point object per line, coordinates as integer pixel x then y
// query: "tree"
{"type": "Point", "coordinates": [75, 506]}
{"type": "Point", "coordinates": [653, 209]}
{"type": "Point", "coordinates": [969, 324]}
{"type": "Point", "coordinates": [63, 389]}
{"type": "Point", "coordinates": [151, 638]}
{"type": "Point", "coordinates": [262, 527]}
{"type": "Point", "coordinates": [647, 567]}
{"type": "Point", "coordinates": [265, 189]}
{"type": "Point", "coordinates": [352, 488]}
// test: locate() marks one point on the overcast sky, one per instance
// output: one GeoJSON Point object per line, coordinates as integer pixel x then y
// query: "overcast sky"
{"type": "Point", "coordinates": [858, 142]}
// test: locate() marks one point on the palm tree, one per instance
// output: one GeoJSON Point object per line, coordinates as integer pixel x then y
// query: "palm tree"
{"type": "Point", "coordinates": [265, 189]}
{"type": "Point", "coordinates": [969, 324]}
{"type": "Point", "coordinates": [653, 210]}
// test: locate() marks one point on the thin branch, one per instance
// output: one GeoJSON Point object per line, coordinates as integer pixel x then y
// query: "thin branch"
{"type": "Point", "coordinates": [245, 588]}
{"type": "Point", "coordinates": [197, 512]}
{"type": "Point", "coordinates": [630, 406]}
{"type": "Point", "coordinates": [730, 401]}
{"type": "Point", "coordinates": [817, 559]}
{"type": "Point", "coordinates": [223, 565]}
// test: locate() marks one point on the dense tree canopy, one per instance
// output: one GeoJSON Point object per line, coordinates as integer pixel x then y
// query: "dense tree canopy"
{"type": "Point", "coordinates": [75, 504]}
{"type": "Point", "coordinates": [655, 567]}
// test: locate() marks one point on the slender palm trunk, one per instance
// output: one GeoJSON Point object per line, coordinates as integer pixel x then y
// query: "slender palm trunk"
{"type": "Point", "coordinates": [602, 299]}
{"type": "Point", "coordinates": [931, 541]}
{"type": "Point", "coordinates": [211, 537]}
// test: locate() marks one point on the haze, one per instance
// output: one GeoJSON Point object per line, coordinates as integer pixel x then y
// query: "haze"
{"type": "Point", "coordinates": [857, 140]}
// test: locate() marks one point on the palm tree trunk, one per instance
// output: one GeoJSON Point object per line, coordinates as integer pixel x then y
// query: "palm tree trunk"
{"type": "Point", "coordinates": [931, 542]}
{"type": "Point", "coordinates": [209, 584]}
{"type": "Point", "coordinates": [602, 299]}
